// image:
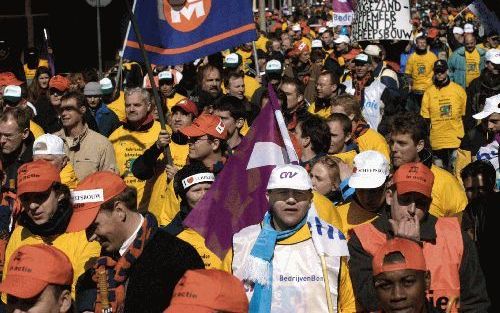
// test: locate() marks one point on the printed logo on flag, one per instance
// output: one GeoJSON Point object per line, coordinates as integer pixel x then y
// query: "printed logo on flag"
{"type": "Point", "coordinates": [188, 17]}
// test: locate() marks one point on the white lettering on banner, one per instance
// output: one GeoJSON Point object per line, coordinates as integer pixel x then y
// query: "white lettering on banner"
{"type": "Point", "coordinates": [380, 20]}
{"type": "Point", "coordinates": [87, 196]}
{"type": "Point", "coordinates": [193, 6]}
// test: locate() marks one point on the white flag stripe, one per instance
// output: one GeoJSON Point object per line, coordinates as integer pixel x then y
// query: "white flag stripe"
{"type": "Point", "coordinates": [264, 154]}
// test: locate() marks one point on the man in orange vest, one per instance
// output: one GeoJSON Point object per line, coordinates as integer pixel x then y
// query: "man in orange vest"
{"type": "Point", "coordinates": [450, 254]}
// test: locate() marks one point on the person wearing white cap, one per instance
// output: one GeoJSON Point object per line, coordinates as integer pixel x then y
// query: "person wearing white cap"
{"type": "Point", "coordinates": [370, 176]}
{"type": "Point", "coordinates": [467, 62]}
{"type": "Point", "coordinates": [468, 28]}
{"type": "Point", "coordinates": [491, 111]}
{"type": "Point", "coordinates": [50, 148]}
{"type": "Point", "coordinates": [166, 82]}
{"type": "Point", "coordinates": [233, 63]}
{"type": "Point", "coordinates": [380, 70]}
{"type": "Point", "coordinates": [457, 40]}
{"type": "Point", "coordinates": [299, 36]}
{"type": "Point", "coordinates": [342, 44]}
{"type": "Point", "coordinates": [280, 259]}
{"type": "Point", "coordinates": [486, 85]}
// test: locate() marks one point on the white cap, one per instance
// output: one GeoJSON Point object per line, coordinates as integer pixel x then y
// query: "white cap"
{"type": "Point", "coordinates": [342, 39]}
{"type": "Point", "coordinates": [316, 44]}
{"type": "Point", "coordinates": [321, 30]}
{"type": "Point", "coordinates": [232, 60]}
{"type": "Point", "coordinates": [48, 144]}
{"type": "Point", "coordinates": [296, 28]}
{"type": "Point", "coordinates": [361, 57]}
{"type": "Point", "coordinates": [458, 30]}
{"type": "Point", "coordinates": [493, 56]}
{"type": "Point", "coordinates": [490, 107]}
{"type": "Point", "coordinates": [373, 50]}
{"type": "Point", "coordinates": [289, 176]}
{"type": "Point", "coordinates": [371, 169]}
{"type": "Point", "coordinates": [273, 66]}
{"type": "Point", "coordinates": [468, 28]}
{"type": "Point", "coordinates": [165, 75]}
{"type": "Point", "coordinates": [106, 85]}
{"type": "Point", "coordinates": [329, 24]}
{"type": "Point", "coordinates": [12, 93]}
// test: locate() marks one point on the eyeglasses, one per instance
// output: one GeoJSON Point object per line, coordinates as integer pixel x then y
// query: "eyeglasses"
{"type": "Point", "coordinates": [193, 140]}
{"type": "Point", "coordinates": [285, 194]}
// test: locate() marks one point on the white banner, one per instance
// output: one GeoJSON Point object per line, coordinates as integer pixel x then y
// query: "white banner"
{"type": "Point", "coordinates": [342, 18]}
{"type": "Point", "coordinates": [487, 17]}
{"type": "Point", "coordinates": [381, 20]}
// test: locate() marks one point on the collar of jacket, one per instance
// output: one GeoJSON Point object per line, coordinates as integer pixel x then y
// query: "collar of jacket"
{"type": "Point", "coordinates": [74, 142]}
{"type": "Point", "coordinates": [146, 124]}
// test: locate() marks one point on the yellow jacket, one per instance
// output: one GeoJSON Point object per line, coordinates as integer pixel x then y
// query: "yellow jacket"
{"type": "Point", "coordinates": [80, 252]}
{"type": "Point", "coordinates": [36, 130]}
{"type": "Point", "coordinates": [129, 145]}
{"type": "Point", "coordinates": [323, 112]}
{"type": "Point", "coordinates": [448, 196]}
{"type": "Point", "coordinates": [68, 176]}
{"type": "Point", "coordinates": [347, 157]}
{"type": "Point", "coordinates": [372, 140]}
{"type": "Point", "coordinates": [198, 242]}
{"type": "Point", "coordinates": [118, 106]}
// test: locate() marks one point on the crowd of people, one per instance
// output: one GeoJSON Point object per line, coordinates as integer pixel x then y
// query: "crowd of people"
{"type": "Point", "coordinates": [390, 209]}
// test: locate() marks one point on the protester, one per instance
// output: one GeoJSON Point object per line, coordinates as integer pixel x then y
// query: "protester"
{"type": "Point", "coordinates": [16, 142]}
{"type": "Point", "coordinates": [409, 198]}
{"type": "Point", "coordinates": [313, 135]}
{"type": "Point", "coordinates": [45, 213]}
{"type": "Point", "coordinates": [39, 88]}
{"type": "Point", "coordinates": [232, 113]}
{"type": "Point", "coordinates": [214, 290]}
{"type": "Point", "coordinates": [286, 240]}
{"type": "Point", "coordinates": [106, 120]}
{"type": "Point", "coordinates": [443, 107]}
{"type": "Point", "coordinates": [327, 87]}
{"type": "Point", "coordinates": [87, 150]}
{"type": "Point", "coordinates": [341, 145]}
{"type": "Point", "coordinates": [35, 286]}
{"type": "Point", "coordinates": [50, 148]}
{"type": "Point", "coordinates": [233, 64]}
{"type": "Point", "coordinates": [168, 92]}
{"type": "Point", "coordinates": [140, 260]}
{"type": "Point", "coordinates": [467, 62]}
{"type": "Point", "coordinates": [325, 178]}
{"type": "Point", "coordinates": [401, 277]}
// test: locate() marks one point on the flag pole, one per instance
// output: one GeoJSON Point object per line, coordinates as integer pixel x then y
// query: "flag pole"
{"type": "Point", "coordinates": [255, 59]}
{"type": "Point", "coordinates": [156, 95]}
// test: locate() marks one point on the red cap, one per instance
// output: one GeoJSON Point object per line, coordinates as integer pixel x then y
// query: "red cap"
{"type": "Point", "coordinates": [414, 177]}
{"type": "Point", "coordinates": [31, 268]}
{"type": "Point", "coordinates": [8, 78]}
{"type": "Point", "coordinates": [206, 124]}
{"type": "Point", "coordinates": [59, 82]}
{"type": "Point", "coordinates": [411, 251]}
{"type": "Point", "coordinates": [36, 176]}
{"type": "Point", "coordinates": [208, 291]}
{"type": "Point", "coordinates": [88, 196]}
{"type": "Point", "coordinates": [298, 48]}
{"type": "Point", "coordinates": [187, 106]}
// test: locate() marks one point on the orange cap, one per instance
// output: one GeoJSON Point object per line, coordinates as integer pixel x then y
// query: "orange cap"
{"type": "Point", "coordinates": [88, 196]}
{"type": "Point", "coordinates": [31, 268]}
{"type": "Point", "coordinates": [187, 106]}
{"type": "Point", "coordinates": [59, 82]}
{"type": "Point", "coordinates": [411, 251]}
{"type": "Point", "coordinates": [208, 291]}
{"type": "Point", "coordinates": [36, 176]}
{"type": "Point", "coordinates": [414, 177]}
{"type": "Point", "coordinates": [8, 78]}
{"type": "Point", "coordinates": [206, 124]}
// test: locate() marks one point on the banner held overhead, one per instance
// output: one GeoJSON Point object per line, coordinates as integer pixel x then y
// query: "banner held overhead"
{"type": "Point", "coordinates": [382, 20]}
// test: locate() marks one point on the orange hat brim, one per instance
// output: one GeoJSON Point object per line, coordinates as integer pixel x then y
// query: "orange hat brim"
{"type": "Point", "coordinates": [21, 286]}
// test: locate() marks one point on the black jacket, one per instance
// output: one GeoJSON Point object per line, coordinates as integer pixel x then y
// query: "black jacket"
{"type": "Point", "coordinates": [152, 278]}
{"type": "Point", "coordinates": [13, 161]}
{"type": "Point", "coordinates": [473, 295]}
{"type": "Point", "coordinates": [485, 86]}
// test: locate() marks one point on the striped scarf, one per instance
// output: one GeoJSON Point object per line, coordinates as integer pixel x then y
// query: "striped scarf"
{"type": "Point", "coordinates": [359, 86]}
{"type": "Point", "coordinates": [111, 275]}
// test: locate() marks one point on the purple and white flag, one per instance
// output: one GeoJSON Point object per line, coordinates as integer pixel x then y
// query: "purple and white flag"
{"type": "Point", "coordinates": [342, 12]}
{"type": "Point", "coordinates": [237, 197]}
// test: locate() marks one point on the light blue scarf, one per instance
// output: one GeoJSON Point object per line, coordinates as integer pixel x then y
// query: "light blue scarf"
{"type": "Point", "coordinates": [261, 271]}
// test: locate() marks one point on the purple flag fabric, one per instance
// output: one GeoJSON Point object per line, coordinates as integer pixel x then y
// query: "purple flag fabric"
{"type": "Point", "coordinates": [342, 12]}
{"type": "Point", "coordinates": [342, 6]}
{"type": "Point", "coordinates": [237, 197]}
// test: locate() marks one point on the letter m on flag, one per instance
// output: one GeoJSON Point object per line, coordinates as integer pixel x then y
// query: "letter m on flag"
{"type": "Point", "coordinates": [179, 34]}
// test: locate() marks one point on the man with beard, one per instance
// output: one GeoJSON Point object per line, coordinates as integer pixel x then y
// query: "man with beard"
{"type": "Point", "coordinates": [419, 71]}
{"type": "Point", "coordinates": [327, 87]}
{"type": "Point", "coordinates": [443, 107]}
{"type": "Point", "coordinates": [467, 62]}
{"type": "Point", "coordinates": [485, 86]}
{"type": "Point", "coordinates": [208, 88]}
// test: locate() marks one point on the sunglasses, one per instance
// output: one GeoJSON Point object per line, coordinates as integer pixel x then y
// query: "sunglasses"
{"type": "Point", "coordinates": [285, 194]}
{"type": "Point", "coordinates": [55, 92]}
